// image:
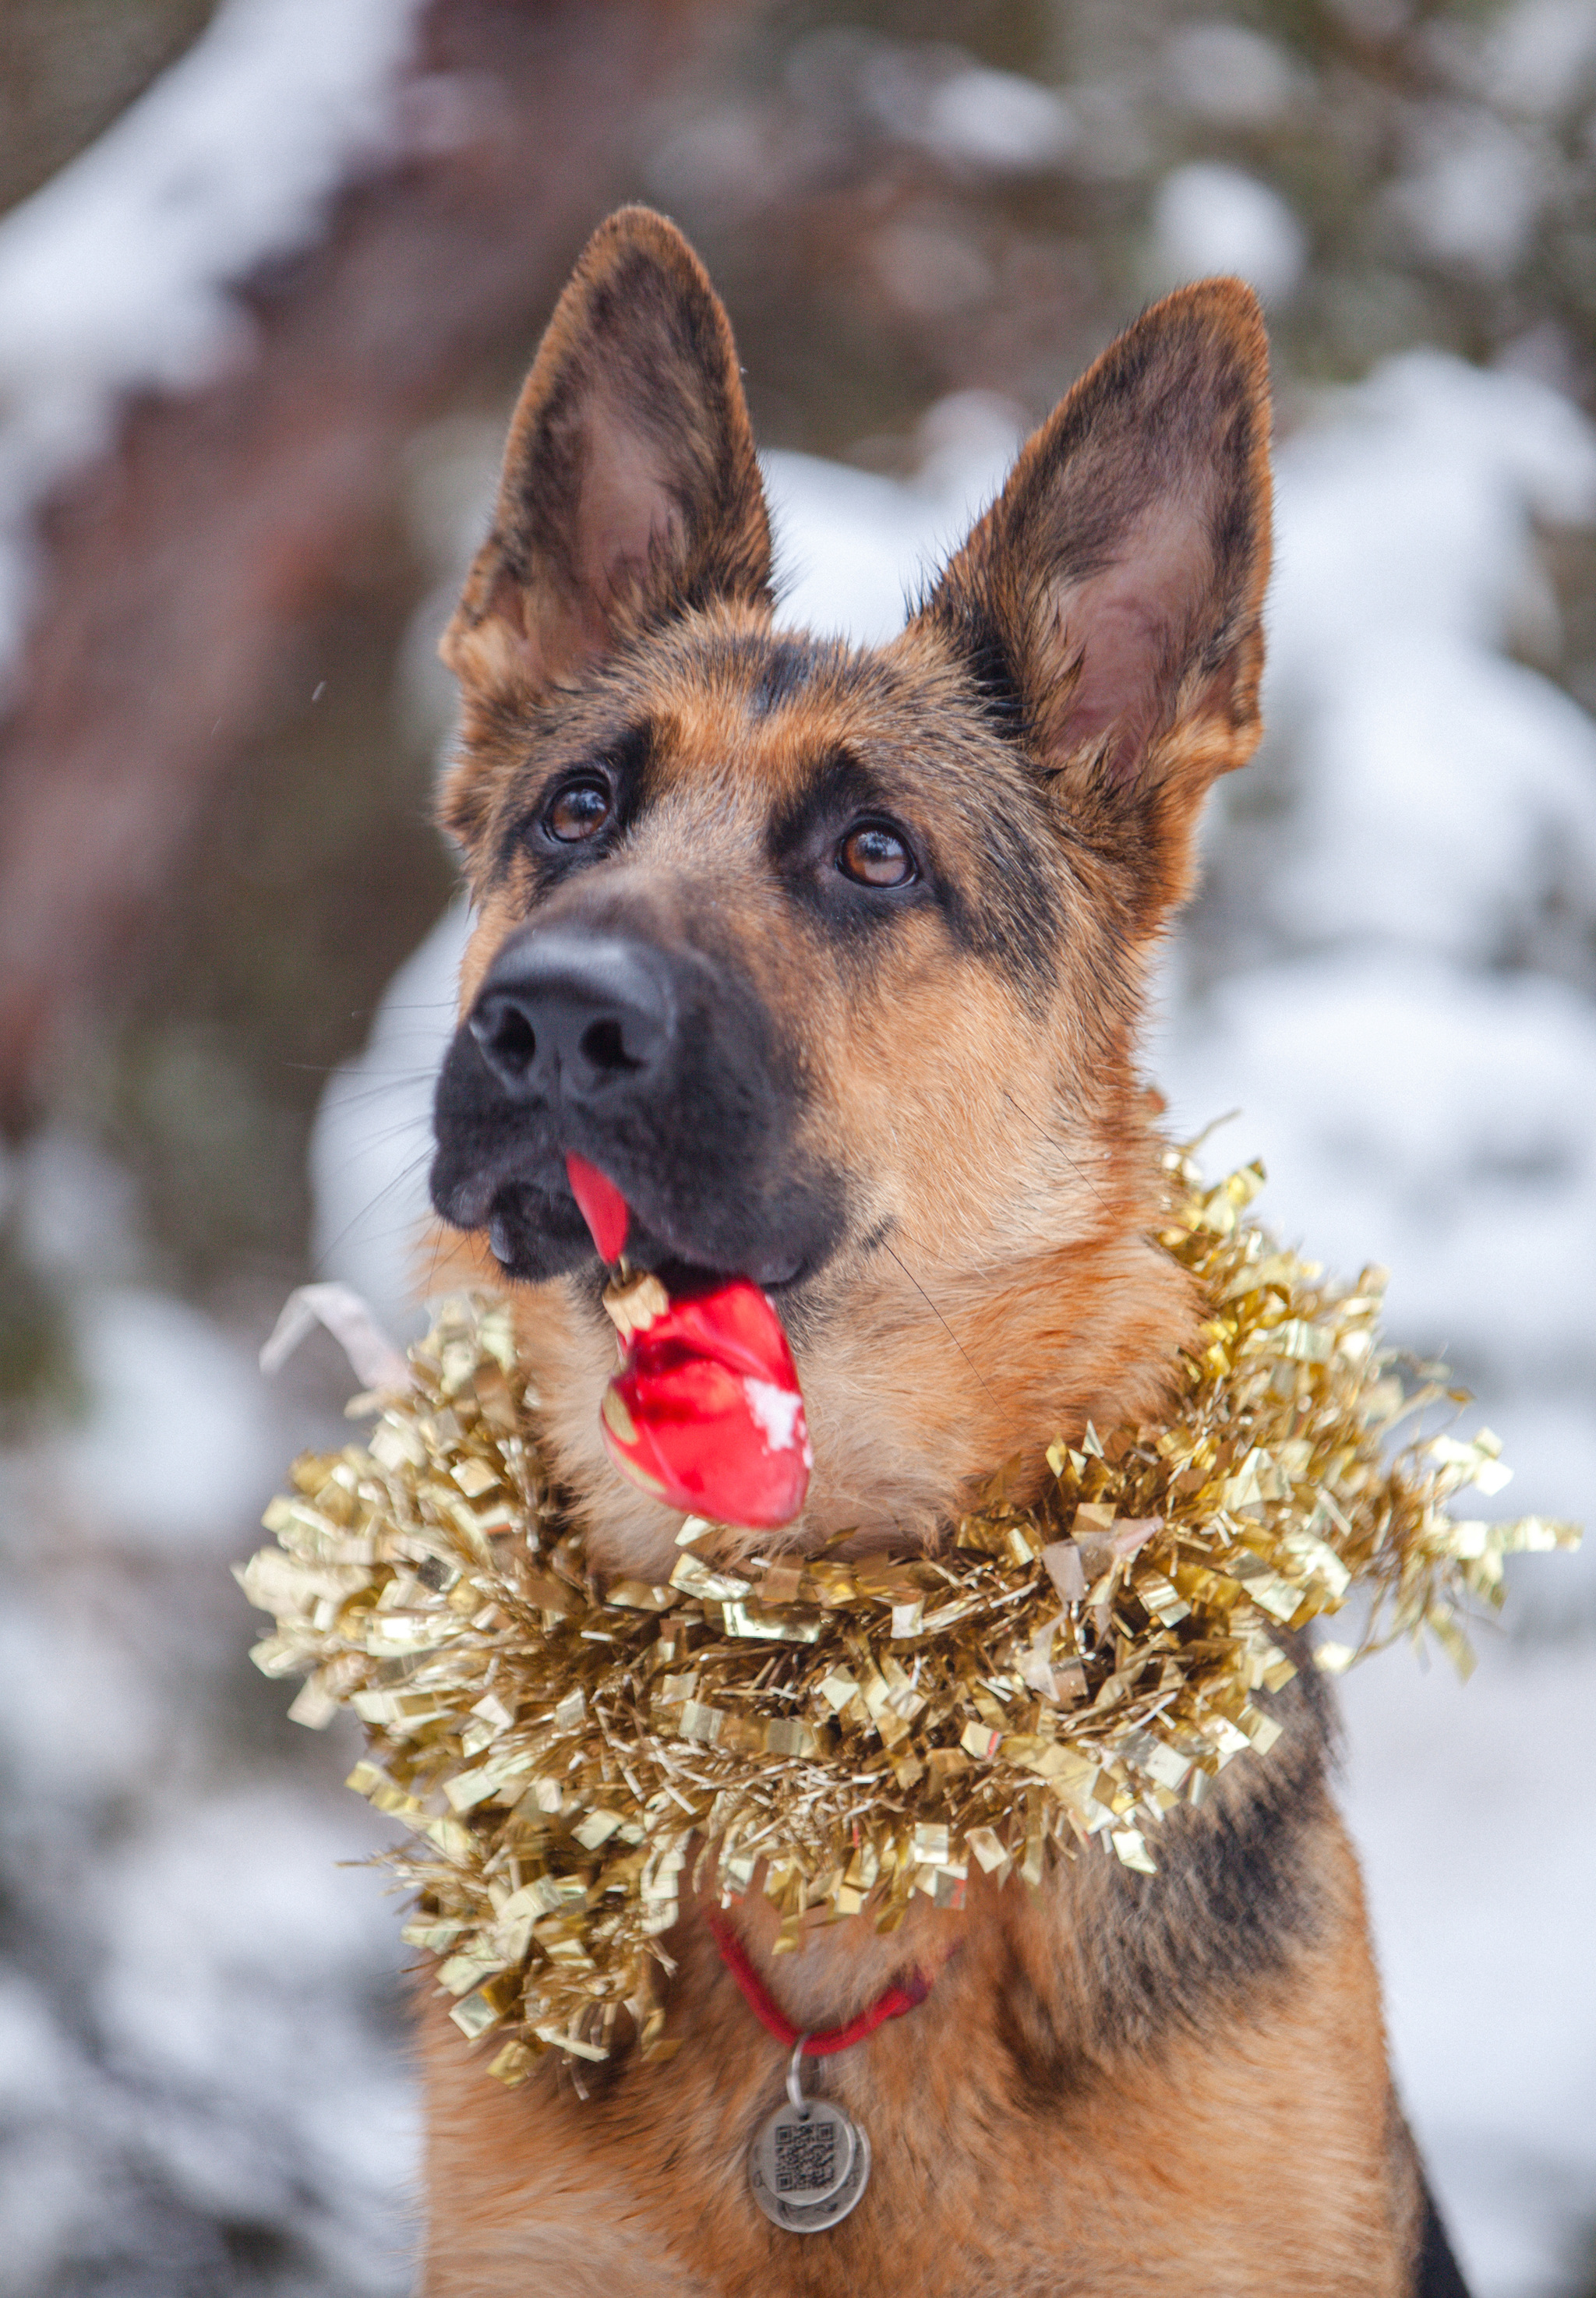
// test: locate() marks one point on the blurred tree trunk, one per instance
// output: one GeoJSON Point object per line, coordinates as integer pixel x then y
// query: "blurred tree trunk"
{"type": "Point", "coordinates": [175, 571]}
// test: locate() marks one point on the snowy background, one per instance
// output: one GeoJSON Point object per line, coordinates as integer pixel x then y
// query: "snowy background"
{"type": "Point", "coordinates": [1391, 972]}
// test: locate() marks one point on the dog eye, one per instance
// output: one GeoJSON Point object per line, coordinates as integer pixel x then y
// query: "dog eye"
{"type": "Point", "coordinates": [874, 856]}
{"type": "Point", "coordinates": [579, 811]}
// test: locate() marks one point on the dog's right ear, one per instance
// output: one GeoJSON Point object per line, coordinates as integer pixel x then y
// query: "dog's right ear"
{"type": "Point", "coordinates": [630, 489]}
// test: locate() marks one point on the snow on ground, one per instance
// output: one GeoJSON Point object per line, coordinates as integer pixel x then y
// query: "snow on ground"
{"type": "Point", "coordinates": [115, 277]}
{"type": "Point", "coordinates": [1389, 977]}
{"type": "Point", "coordinates": [1478, 1842]}
{"type": "Point", "coordinates": [202, 2086]}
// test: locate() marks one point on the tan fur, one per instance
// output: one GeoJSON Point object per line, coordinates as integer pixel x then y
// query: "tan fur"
{"type": "Point", "coordinates": [1248, 2164]}
{"type": "Point", "coordinates": [1027, 1233]}
{"type": "Point", "coordinates": [1077, 2107]}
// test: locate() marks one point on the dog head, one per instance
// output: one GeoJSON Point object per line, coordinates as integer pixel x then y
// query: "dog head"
{"type": "Point", "coordinates": [831, 958]}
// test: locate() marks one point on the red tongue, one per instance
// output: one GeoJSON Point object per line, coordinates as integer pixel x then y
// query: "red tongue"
{"type": "Point", "coordinates": [601, 1205]}
{"type": "Point", "coordinates": [706, 1412]}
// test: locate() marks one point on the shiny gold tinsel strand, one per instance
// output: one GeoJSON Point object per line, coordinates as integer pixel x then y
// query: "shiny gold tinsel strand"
{"type": "Point", "coordinates": [560, 1748]}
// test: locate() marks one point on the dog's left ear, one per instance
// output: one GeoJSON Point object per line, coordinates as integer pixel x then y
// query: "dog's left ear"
{"type": "Point", "coordinates": [1108, 605]}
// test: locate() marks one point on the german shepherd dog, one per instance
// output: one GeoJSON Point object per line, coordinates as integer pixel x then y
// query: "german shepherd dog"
{"type": "Point", "coordinates": [837, 957]}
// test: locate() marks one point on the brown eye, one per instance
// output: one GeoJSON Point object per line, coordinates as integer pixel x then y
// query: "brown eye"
{"type": "Point", "coordinates": [579, 811]}
{"type": "Point", "coordinates": [875, 856]}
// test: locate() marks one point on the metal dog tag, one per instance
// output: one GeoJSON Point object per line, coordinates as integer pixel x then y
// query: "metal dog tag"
{"type": "Point", "coordinates": [810, 2163]}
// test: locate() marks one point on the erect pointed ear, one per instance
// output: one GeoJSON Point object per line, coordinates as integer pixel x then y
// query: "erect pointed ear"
{"type": "Point", "coordinates": [630, 489]}
{"type": "Point", "coordinates": [1113, 591]}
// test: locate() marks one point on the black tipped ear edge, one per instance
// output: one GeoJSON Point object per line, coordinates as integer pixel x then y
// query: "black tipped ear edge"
{"type": "Point", "coordinates": [1120, 574]}
{"type": "Point", "coordinates": [630, 476]}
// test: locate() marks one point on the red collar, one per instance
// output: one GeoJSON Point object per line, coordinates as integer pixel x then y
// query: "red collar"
{"type": "Point", "coordinates": [901, 1996]}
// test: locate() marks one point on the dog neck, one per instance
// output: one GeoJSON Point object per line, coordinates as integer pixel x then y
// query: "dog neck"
{"type": "Point", "coordinates": [922, 1376]}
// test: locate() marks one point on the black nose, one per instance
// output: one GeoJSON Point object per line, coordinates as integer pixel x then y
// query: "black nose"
{"type": "Point", "coordinates": [567, 1015]}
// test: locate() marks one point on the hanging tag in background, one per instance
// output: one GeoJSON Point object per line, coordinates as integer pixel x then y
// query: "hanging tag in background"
{"type": "Point", "coordinates": [376, 1362]}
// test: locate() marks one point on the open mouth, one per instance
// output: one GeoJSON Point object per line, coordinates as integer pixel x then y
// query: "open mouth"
{"type": "Point", "coordinates": [522, 1216]}
{"type": "Point", "coordinates": [706, 1412]}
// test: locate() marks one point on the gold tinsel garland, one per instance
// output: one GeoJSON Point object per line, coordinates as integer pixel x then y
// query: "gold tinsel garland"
{"type": "Point", "coordinates": [559, 1747]}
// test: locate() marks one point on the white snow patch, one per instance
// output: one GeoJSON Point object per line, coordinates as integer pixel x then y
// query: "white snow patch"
{"type": "Point", "coordinates": [1458, 790]}
{"type": "Point", "coordinates": [45, 2172]}
{"type": "Point", "coordinates": [1443, 1126]}
{"type": "Point", "coordinates": [36, 2062]}
{"type": "Point", "coordinates": [1478, 1839]}
{"type": "Point", "coordinates": [85, 1721]}
{"type": "Point", "coordinates": [75, 1208]}
{"type": "Point", "coordinates": [373, 1139]}
{"type": "Point", "coordinates": [1476, 186]}
{"type": "Point", "coordinates": [214, 1898]}
{"type": "Point", "coordinates": [998, 120]}
{"type": "Point", "coordinates": [235, 1938]}
{"type": "Point", "coordinates": [1408, 505]}
{"type": "Point", "coordinates": [929, 94]}
{"type": "Point", "coordinates": [199, 2009]}
{"type": "Point", "coordinates": [1209, 218]}
{"type": "Point", "coordinates": [115, 277]}
{"type": "Point", "coordinates": [1541, 53]}
{"type": "Point", "coordinates": [851, 549]}
{"type": "Point", "coordinates": [177, 1449]}
{"type": "Point", "coordinates": [888, 538]}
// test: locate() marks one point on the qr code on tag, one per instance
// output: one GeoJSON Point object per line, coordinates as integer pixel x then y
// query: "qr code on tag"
{"type": "Point", "coordinates": [806, 2157]}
